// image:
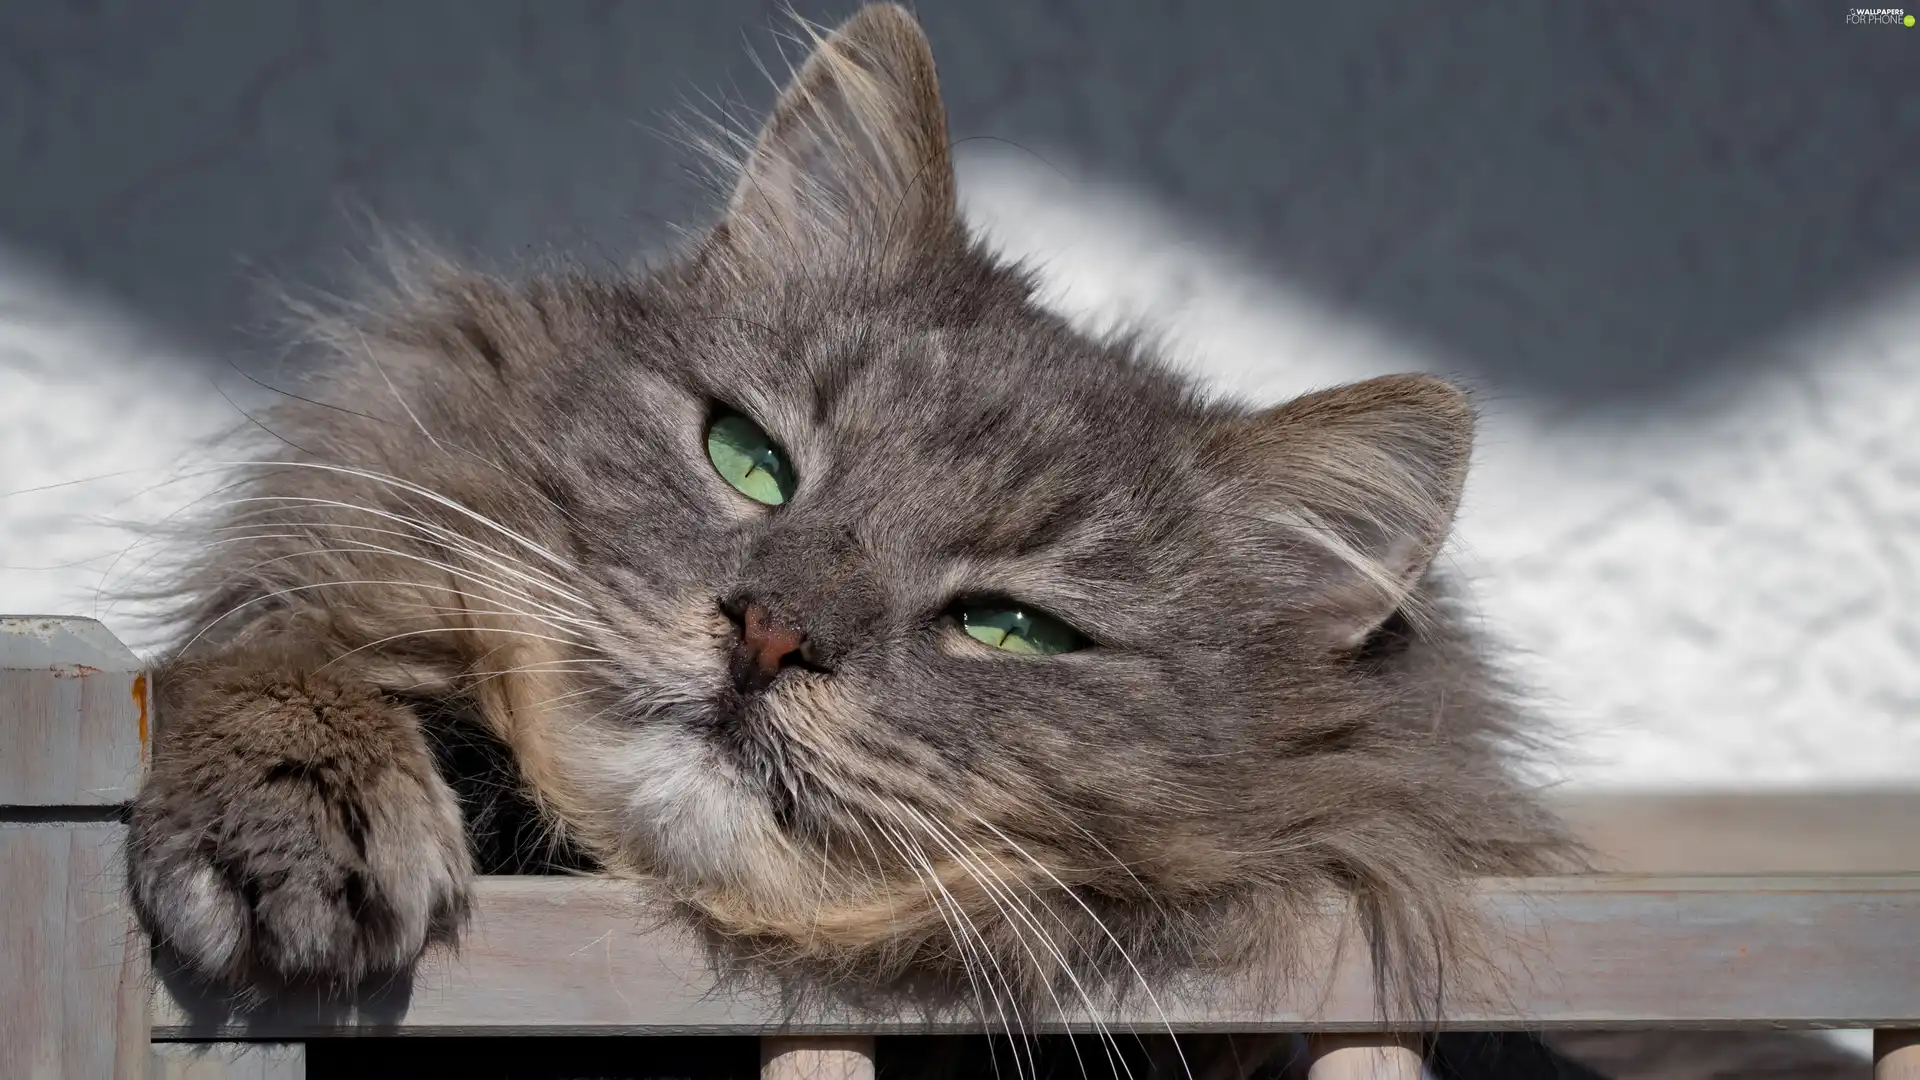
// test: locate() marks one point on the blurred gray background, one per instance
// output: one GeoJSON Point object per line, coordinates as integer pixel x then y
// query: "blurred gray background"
{"type": "Point", "coordinates": [1675, 243]}
{"type": "Point", "coordinates": [1678, 179]}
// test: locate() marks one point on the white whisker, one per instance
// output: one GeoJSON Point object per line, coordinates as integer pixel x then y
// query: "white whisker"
{"type": "Point", "coordinates": [553, 619]}
{"type": "Point", "coordinates": [440, 532]}
{"type": "Point", "coordinates": [435, 630]}
{"type": "Point", "coordinates": [1138, 975]}
{"type": "Point", "coordinates": [923, 868]}
{"type": "Point", "coordinates": [1018, 915]}
{"type": "Point", "coordinates": [292, 589]}
{"type": "Point", "coordinates": [408, 485]}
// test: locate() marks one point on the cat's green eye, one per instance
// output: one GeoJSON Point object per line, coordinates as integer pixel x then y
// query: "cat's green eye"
{"type": "Point", "coordinates": [749, 459]}
{"type": "Point", "coordinates": [1018, 630]}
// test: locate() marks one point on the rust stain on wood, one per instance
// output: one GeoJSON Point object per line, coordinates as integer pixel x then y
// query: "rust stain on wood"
{"type": "Point", "coordinates": [73, 671]}
{"type": "Point", "coordinates": [140, 702]}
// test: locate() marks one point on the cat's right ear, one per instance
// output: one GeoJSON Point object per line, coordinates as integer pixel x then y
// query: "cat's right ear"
{"type": "Point", "coordinates": [853, 163]}
{"type": "Point", "coordinates": [1349, 494]}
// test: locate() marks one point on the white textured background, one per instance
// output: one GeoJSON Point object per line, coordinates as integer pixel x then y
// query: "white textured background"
{"type": "Point", "coordinates": [1675, 246]}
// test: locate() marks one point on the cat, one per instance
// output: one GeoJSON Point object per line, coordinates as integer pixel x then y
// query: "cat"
{"type": "Point", "coordinates": [826, 585]}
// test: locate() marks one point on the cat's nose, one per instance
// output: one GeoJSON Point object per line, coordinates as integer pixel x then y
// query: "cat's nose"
{"type": "Point", "coordinates": [766, 645]}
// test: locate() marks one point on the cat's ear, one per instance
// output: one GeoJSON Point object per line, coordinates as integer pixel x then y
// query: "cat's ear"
{"type": "Point", "coordinates": [854, 160]}
{"type": "Point", "coordinates": [1352, 492]}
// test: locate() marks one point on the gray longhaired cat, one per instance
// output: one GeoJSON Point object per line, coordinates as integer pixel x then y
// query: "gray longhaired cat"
{"type": "Point", "coordinates": [824, 581]}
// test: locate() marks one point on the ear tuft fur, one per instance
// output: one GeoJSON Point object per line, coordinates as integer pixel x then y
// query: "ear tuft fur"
{"type": "Point", "coordinates": [854, 160]}
{"type": "Point", "coordinates": [1367, 477]}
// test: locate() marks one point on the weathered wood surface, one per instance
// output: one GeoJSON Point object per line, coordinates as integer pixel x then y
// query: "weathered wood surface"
{"type": "Point", "coordinates": [73, 985]}
{"type": "Point", "coordinates": [571, 956]}
{"type": "Point", "coordinates": [73, 714]}
{"type": "Point", "coordinates": [1757, 832]}
{"type": "Point", "coordinates": [228, 1061]}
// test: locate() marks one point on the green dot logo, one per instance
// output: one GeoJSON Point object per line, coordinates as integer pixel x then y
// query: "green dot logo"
{"type": "Point", "coordinates": [1908, 21]}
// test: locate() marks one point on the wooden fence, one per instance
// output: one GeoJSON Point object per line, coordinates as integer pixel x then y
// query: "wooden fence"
{"type": "Point", "coordinates": [1839, 947]}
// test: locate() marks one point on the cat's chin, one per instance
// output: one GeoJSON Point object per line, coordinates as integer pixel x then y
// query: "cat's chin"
{"type": "Point", "coordinates": [689, 811]}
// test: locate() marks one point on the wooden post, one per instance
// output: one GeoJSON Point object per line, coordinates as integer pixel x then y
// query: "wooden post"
{"type": "Point", "coordinates": [816, 1057]}
{"type": "Point", "coordinates": [75, 718]}
{"type": "Point", "coordinates": [1896, 1054]}
{"type": "Point", "coordinates": [73, 978]}
{"type": "Point", "coordinates": [1363, 1057]}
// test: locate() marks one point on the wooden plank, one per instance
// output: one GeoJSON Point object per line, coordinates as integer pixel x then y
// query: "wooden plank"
{"type": "Point", "coordinates": [816, 1057]}
{"type": "Point", "coordinates": [1896, 1055]}
{"type": "Point", "coordinates": [73, 983]}
{"type": "Point", "coordinates": [1868, 831]}
{"type": "Point", "coordinates": [1363, 1057]}
{"type": "Point", "coordinates": [32, 946]}
{"type": "Point", "coordinates": [228, 1061]}
{"type": "Point", "coordinates": [73, 714]}
{"type": "Point", "coordinates": [559, 956]}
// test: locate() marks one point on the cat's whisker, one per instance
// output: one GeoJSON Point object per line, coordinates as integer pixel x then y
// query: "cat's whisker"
{"type": "Point", "coordinates": [1140, 976]}
{"type": "Point", "coordinates": [880, 878]}
{"type": "Point", "coordinates": [484, 552]}
{"type": "Point", "coordinates": [545, 702]}
{"type": "Point", "coordinates": [550, 615]}
{"type": "Point", "coordinates": [447, 537]}
{"type": "Point", "coordinates": [935, 892]}
{"type": "Point", "coordinates": [827, 879]}
{"type": "Point", "coordinates": [475, 606]}
{"type": "Point", "coordinates": [558, 665]}
{"type": "Point", "coordinates": [480, 662]}
{"type": "Point", "coordinates": [924, 870]}
{"type": "Point", "coordinates": [154, 531]}
{"type": "Point", "coordinates": [1018, 914]}
{"type": "Point", "coordinates": [428, 493]}
{"type": "Point", "coordinates": [435, 630]}
{"type": "Point", "coordinates": [311, 586]}
{"type": "Point", "coordinates": [322, 527]}
{"type": "Point", "coordinates": [1149, 895]}
{"type": "Point", "coordinates": [538, 671]}
{"type": "Point", "coordinates": [547, 612]}
{"type": "Point", "coordinates": [556, 622]}
{"type": "Point", "coordinates": [1087, 834]}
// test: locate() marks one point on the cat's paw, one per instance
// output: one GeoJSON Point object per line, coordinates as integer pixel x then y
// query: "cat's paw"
{"type": "Point", "coordinates": [292, 830]}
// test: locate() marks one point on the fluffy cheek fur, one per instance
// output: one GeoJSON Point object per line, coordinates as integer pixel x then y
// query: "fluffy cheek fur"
{"type": "Point", "coordinates": [672, 802]}
{"type": "Point", "coordinates": [665, 800]}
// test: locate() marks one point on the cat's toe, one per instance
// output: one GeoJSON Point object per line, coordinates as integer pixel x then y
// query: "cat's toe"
{"type": "Point", "coordinates": [300, 880]}
{"type": "Point", "coordinates": [192, 913]}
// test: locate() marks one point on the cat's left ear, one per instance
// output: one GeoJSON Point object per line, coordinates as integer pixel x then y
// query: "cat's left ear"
{"type": "Point", "coordinates": [854, 160]}
{"type": "Point", "coordinates": [1348, 495]}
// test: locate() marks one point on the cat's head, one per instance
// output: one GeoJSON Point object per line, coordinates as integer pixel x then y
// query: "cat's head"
{"type": "Point", "coordinates": [886, 599]}
{"type": "Point", "coordinates": [903, 572]}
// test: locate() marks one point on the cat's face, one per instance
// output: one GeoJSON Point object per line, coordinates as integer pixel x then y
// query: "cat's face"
{"type": "Point", "coordinates": [999, 556]}
{"type": "Point", "coordinates": [891, 565]}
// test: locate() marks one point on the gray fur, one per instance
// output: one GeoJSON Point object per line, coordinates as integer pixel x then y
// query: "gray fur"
{"type": "Point", "coordinates": [1283, 702]}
